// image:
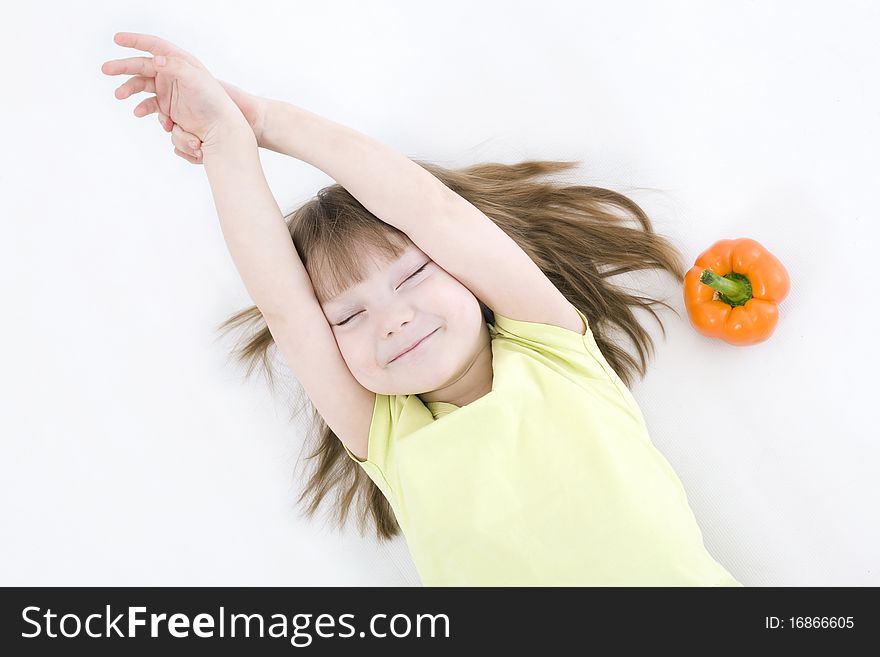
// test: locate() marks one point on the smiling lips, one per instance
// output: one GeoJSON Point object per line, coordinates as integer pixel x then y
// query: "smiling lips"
{"type": "Point", "coordinates": [413, 347]}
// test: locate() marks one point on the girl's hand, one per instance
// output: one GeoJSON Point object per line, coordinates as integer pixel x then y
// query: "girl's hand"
{"type": "Point", "coordinates": [186, 92]}
{"type": "Point", "coordinates": [188, 146]}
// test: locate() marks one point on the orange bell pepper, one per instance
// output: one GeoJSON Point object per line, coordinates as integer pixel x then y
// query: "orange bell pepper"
{"type": "Point", "coordinates": [733, 290]}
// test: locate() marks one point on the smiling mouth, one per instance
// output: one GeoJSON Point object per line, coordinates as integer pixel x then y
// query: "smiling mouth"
{"type": "Point", "coordinates": [415, 346]}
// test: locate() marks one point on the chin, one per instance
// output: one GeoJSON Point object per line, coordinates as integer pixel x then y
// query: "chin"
{"type": "Point", "coordinates": [428, 376]}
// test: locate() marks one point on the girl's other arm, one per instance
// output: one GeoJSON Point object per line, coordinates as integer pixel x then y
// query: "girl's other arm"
{"type": "Point", "coordinates": [449, 229]}
{"type": "Point", "coordinates": [386, 182]}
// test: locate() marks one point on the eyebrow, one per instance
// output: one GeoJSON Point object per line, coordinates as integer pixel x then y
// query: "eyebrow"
{"type": "Point", "coordinates": [339, 298]}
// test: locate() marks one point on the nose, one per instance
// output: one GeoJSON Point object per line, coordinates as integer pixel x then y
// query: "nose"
{"type": "Point", "coordinates": [397, 315]}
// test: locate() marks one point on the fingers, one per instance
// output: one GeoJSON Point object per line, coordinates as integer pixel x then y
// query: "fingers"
{"type": "Point", "coordinates": [186, 142]}
{"type": "Point", "coordinates": [136, 84]}
{"type": "Point", "coordinates": [154, 45]}
{"type": "Point", "coordinates": [146, 42]}
{"type": "Point", "coordinates": [187, 156]}
{"type": "Point", "coordinates": [139, 65]}
{"type": "Point", "coordinates": [147, 107]}
{"type": "Point", "coordinates": [140, 83]}
{"type": "Point", "coordinates": [130, 66]}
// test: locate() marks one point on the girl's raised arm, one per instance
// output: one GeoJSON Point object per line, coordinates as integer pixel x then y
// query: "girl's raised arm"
{"type": "Point", "coordinates": [279, 285]}
{"type": "Point", "coordinates": [253, 227]}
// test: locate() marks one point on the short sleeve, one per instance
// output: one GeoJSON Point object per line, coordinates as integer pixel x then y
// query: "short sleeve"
{"type": "Point", "coordinates": [353, 456]}
{"type": "Point", "coordinates": [380, 428]}
{"type": "Point", "coordinates": [577, 356]}
{"type": "Point", "coordinates": [548, 339]}
{"type": "Point", "coordinates": [379, 443]}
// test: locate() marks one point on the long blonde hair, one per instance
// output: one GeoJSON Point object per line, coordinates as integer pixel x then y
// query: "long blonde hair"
{"type": "Point", "coordinates": [576, 234]}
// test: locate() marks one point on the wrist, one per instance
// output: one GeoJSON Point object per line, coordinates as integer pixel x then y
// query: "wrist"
{"type": "Point", "coordinates": [271, 118]}
{"type": "Point", "coordinates": [232, 131]}
{"type": "Point", "coordinates": [263, 120]}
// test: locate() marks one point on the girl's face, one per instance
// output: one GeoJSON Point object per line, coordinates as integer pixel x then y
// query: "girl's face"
{"type": "Point", "coordinates": [398, 304]}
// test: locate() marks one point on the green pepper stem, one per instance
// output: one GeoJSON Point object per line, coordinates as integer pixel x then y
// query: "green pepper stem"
{"type": "Point", "coordinates": [733, 289]}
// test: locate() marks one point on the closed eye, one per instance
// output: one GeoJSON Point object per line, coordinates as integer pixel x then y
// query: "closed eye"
{"type": "Point", "coordinates": [418, 271]}
{"type": "Point", "coordinates": [348, 318]}
{"type": "Point", "coordinates": [413, 275]}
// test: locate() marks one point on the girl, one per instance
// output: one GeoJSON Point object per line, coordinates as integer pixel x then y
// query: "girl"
{"type": "Point", "coordinates": [449, 329]}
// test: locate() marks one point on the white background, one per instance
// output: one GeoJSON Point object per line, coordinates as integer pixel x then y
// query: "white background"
{"type": "Point", "coordinates": [133, 452]}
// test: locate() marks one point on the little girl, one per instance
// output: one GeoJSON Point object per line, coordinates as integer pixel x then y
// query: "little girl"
{"type": "Point", "coordinates": [446, 327]}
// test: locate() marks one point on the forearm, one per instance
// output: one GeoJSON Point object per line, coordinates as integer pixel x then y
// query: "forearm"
{"type": "Point", "coordinates": [250, 219]}
{"type": "Point", "coordinates": [386, 182]}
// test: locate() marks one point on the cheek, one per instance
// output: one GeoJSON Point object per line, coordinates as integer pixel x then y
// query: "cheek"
{"type": "Point", "coordinates": [461, 313]}
{"type": "Point", "coordinates": [459, 301]}
{"type": "Point", "coordinates": [447, 291]}
{"type": "Point", "coordinates": [352, 351]}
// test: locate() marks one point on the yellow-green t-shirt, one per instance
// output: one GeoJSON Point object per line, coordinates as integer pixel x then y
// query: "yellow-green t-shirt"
{"type": "Point", "coordinates": [550, 479]}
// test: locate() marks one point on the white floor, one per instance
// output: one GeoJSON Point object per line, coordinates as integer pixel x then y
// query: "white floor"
{"type": "Point", "coordinates": [134, 454]}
